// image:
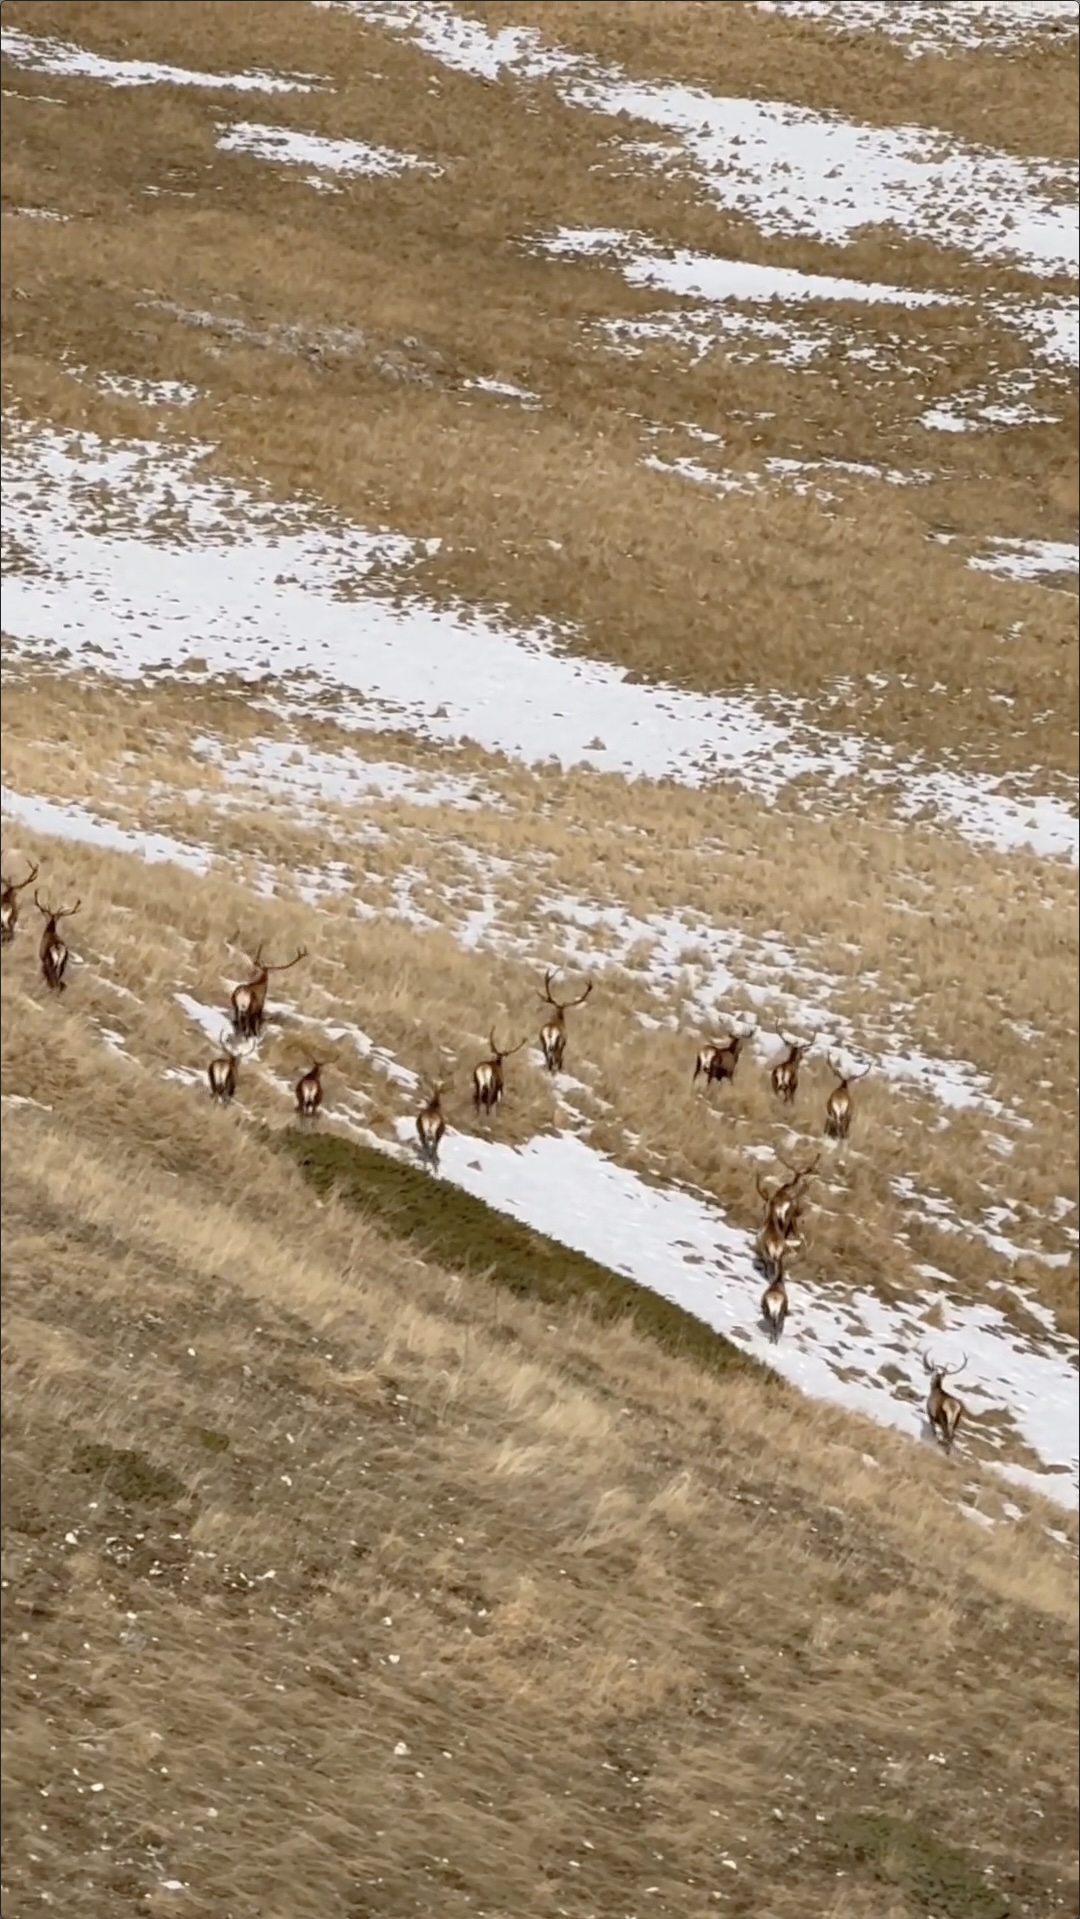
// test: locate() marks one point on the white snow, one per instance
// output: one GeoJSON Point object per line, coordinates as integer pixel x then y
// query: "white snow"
{"type": "Point", "coordinates": [1028, 559]}
{"type": "Point", "coordinates": [922, 27]}
{"type": "Point", "coordinates": [127, 386]}
{"type": "Point", "coordinates": [840, 1345]}
{"type": "Point", "coordinates": [709, 276]}
{"type": "Point", "coordinates": [66, 820]}
{"type": "Point", "coordinates": [344, 778]}
{"type": "Point", "coordinates": [789, 170]}
{"type": "Point", "coordinates": [45, 55]}
{"type": "Point", "coordinates": [255, 589]}
{"type": "Point", "coordinates": [296, 149]}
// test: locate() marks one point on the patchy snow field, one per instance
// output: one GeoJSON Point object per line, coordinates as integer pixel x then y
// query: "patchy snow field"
{"type": "Point", "coordinates": [129, 559]}
{"type": "Point", "coordinates": [789, 170]}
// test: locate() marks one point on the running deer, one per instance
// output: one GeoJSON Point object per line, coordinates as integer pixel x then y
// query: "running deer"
{"type": "Point", "coordinates": [430, 1126]}
{"type": "Point", "coordinates": [488, 1084]}
{"type": "Point", "coordinates": [249, 998]}
{"type": "Point", "coordinates": [222, 1072]}
{"type": "Point", "coordinates": [308, 1089]}
{"type": "Point", "coordinates": [785, 1074]}
{"type": "Point", "coordinates": [774, 1306]}
{"type": "Point", "coordinates": [553, 1031]}
{"type": "Point", "coordinates": [943, 1410]}
{"type": "Point", "coordinates": [718, 1059]}
{"type": "Point", "coordinates": [9, 904]}
{"type": "Point", "coordinates": [774, 1247]}
{"type": "Point", "coordinates": [52, 952]}
{"type": "Point", "coordinates": [784, 1203]}
{"type": "Point", "coordinates": [838, 1104]}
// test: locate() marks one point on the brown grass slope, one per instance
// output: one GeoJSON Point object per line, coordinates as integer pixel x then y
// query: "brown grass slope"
{"type": "Point", "coordinates": [339, 1583]}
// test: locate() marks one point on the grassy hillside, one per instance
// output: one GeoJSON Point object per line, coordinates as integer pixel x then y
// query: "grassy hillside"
{"type": "Point", "coordinates": [368, 1551]}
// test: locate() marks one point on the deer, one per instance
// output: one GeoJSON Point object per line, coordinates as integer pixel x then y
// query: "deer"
{"type": "Point", "coordinates": [249, 998]}
{"type": "Point", "coordinates": [488, 1085]}
{"type": "Point", "coordinates": [774, 1248]}
{"type": "Point", "coordinates": [9, 904]}
{"type": "Point", "coordinates": [774, 1304]}
{"type": "Point", "coordinates": [718, 1058]}
{"type": "Point", "coordinates": [838, 1104]}
{"type": "Point", "coordinates": [222, 1072]}
{"type": "Point", "coordinates": [784, 1203]}
{"type": "Point", "coordinates": [52, 952]}
{"type": "Point", "coordinates": [943, 1410]}
{"type": "Point", "coordinates": [785, 1074]}
{"type": "Point", "coordinates": [553, 1031]}
{"type": "Point", "coordinates": [430, 1126]}
{"type": "Point", "coordinates": [308, 1090]}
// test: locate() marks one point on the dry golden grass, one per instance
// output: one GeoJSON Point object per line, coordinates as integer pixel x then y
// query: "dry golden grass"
{"type": "Point", "coordinates": [326, 1591]}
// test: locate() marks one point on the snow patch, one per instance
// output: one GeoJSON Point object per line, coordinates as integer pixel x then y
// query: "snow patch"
{"type": "Point", "coordinates": [291, 148]}
{"type": "Point", "coordinates": [36, 54]}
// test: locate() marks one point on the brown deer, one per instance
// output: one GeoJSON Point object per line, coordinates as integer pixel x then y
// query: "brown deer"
{"type": "Point", "coordinates": [249, 998]}
{"type": "Point", "coordinates": [222, 1072]}
{"type": "Point", "coordinates": [784, 1203]}
{"type": "Point", "coordinates": [488, 1083]}
{"type": "Point", "coordinates": [9, 904]}
{"type": "Point", "coordinates": [774, 1305]}
{"type": "Point", "coordinates": [774, 1247]}
{"type": "Point", "coordinates": [943, 1410]}
{"type": "Point", "coordinates": [52, 952]}
{"type": "Point", "coordinates": [553, 1031]}
{"type": "Point", "coordinates": [308, 1090]}
{"type": "Point", "coordinates": [838, 1104]}
{"type": "Point", "coordinates": [430, 1126]}
{"type": "Point", "coordinates": [718, 1058]}
{"type": "Point", "coordinates": [785, 1074]}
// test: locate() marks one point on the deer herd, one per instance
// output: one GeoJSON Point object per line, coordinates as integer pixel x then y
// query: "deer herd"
{"type": "Point", "coordinates": [781, 1233]}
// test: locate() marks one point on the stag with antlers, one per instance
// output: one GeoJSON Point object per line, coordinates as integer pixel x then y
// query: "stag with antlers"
{"type": "Point", "coordinates": [943, 1410]}
{"type": "Point", "coordinates": [838, 1104]}
{"type": "Point", "coordinates": [785, 1074]}
{"type": "Point", "coordinates": [488, 1082]}
{"type": "Point", "coordinates": [553, 1031]}
{"type": "Point", "coordinates": [222, 1072]}
{"type": "Point", "coordinates": [9, 904]}
{"type": "Point", "coordinates": [53, 952]}
{"type": "Point", "coordinates": [249, 998]}
{"type": "Point", "coordinates": [718, 1059]}
{"type": "Point", "coordinates": [430, 1126]}
{"type": "Point", "coordinates": [783, 1203]}
{"type": "Point", "coordinates": [308, 1090]}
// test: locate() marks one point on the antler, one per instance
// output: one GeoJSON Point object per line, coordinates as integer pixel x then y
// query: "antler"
{"type": "Point", "coordinates": [799, 1172]}
{"type": "Point", "coordinates": [16, 886]}
{"type": "Point", "coordinates": [950, 1372]}
{"type": "Point", "coordinates": [943, 1372]}
{"type": "Point", "coordinates": [56, 912]}
{"type": "Point", "coordinates": [766, 1196]}
{"type": "Point", "coordinates": [854, 1076]}
{"type": "Point", "coordinates": [565, 1004]}
{"type": "Point", "coordinates": [284, 965]}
